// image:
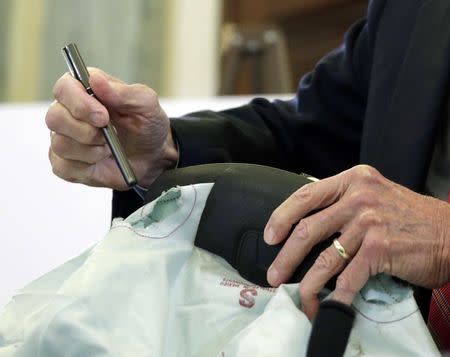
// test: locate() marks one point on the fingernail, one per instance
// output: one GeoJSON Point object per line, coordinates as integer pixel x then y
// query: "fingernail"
{"type": "Point", "coordinates": [273, 276]}
{"type": "Point", "coordinates": [269, 235]}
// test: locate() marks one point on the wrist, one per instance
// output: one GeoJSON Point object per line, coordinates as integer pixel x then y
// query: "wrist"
{"type": "Point", "coordinates": [165, 158]}
{"type": "Point", "coordinates": [172, 150]}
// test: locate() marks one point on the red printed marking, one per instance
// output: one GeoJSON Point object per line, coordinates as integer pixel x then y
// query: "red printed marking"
{"type": "Point", "coordinates": [248, 297]}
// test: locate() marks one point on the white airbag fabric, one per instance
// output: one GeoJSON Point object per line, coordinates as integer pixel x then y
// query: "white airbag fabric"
{"type": "Point", "coordinates": [145, 290]}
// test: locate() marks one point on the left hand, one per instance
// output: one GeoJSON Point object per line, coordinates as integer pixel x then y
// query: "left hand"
{"type": "Point", "coordinates": [385, 228]}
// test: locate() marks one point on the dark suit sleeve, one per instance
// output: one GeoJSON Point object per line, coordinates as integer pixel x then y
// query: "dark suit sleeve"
{"type": "Point", "coordinates": [318, 131]}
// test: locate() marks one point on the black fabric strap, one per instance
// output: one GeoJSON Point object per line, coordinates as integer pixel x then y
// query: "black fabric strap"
{"type": "Point", "coordinates": [331, 330]}
{"type": "Point", "coordinates": [236, 212]}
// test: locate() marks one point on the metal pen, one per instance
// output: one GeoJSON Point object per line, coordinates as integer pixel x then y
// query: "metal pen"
{"type": "Point", "coordinates": [79, 71]}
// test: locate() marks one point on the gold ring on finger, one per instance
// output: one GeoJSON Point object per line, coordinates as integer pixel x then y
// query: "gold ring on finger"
{"type": "Point", "coordinates": [341, 250]}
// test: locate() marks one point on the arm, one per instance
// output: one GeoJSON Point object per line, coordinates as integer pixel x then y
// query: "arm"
{"type": "Point", "coordinates": [317, 132]}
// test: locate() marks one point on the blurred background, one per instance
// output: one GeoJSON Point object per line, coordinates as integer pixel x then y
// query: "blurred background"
{"type": "Point", "coordinates": [180, 48]}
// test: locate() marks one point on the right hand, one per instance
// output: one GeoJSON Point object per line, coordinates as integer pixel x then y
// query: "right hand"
{"type": "Point", "coordinates": [78, 150]}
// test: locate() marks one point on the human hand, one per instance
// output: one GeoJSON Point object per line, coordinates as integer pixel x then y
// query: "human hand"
{"type": "Point", "coordinates": [385, 228]}
{"type": "Point", "coordinates": [78, 150]}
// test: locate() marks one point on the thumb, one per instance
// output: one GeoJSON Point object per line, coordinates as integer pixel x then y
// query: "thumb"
{"type": "Point", "coordinates": [120, 96]}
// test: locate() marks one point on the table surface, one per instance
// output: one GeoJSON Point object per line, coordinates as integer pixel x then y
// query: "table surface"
{"type": "Point", "coordinates": [45, 221]}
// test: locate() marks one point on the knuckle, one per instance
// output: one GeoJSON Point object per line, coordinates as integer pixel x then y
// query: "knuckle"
{"type": "Point", "coordinates": [59, 86]}
{"type": "Point", "coordinates": [375, 256]}
{"type": "Point", "coordinates": [303, 291]}
{"type": "Point", "coordinates": [325, 261]}
{"type": "Point", "coordinates": [58, 144]}
{"type": "Point", "coordinates": [153, 100]}
{"type": "Point", "coordinates": [58, 169]}
{"type": "Point", "coordinates": [71, 179]}
{"type": "Point", "coordinates": [343, 283]}
{"type": "Point", "coordinates": [304, 193]}
{"type": "Point", "coordinates": [80, 110]}
{"type": "Point", "coordinates": [91, 135]}
{"type": "Point", "coordinates": [302, 229]}
{"type": "Point", "coordinates": [153, 96]}
{"type": "Point", "coordinates": [365, 170]}
{"type": "Point", "coordinates": [364, 198]}
{"type": "Point", "coordinates": [98, 153]}
{"type": "Point", "coordinates": [145, 91]}
{"type": "Point", "coordinates": [376, 246]}
{"type": "Point", "coordinates": [63, 172]}
{"type": "Point", "coordinates": [52, 118]}
{"type": "Point", "coordinates": [367, 174]}
{"type": "Point", "coordinates": [61, 169]}
{"type": "Point", "coordinates": [369, 219]}
{"type": "Point", "coordinates": [51, 158]}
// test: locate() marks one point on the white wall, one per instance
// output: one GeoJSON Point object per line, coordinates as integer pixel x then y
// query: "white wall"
{"type": "Point", "coordinates": [193, 47]}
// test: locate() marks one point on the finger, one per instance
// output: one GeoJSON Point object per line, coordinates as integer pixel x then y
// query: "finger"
{"type": "Point", "coordinates": [70, 170]}
{"type": "Point", "coordinates": [310, 231]}
{"type": "Point", "coordinates": [69, 149]}
{"type": "Point", "coordinates": [104, 174]}
{"type": "Point", "coordinates": [123, 97]}
{"type": "Point", "coordinates": [71, 93]}
{"type": "Point", "coordinates": [61, 121]}
{"type": "Point", "coordinates": [352, 279]}
{"type": "Point", "coordinates": [312, 196]}
{"type": "Point", "coordinates": [327, 265]}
